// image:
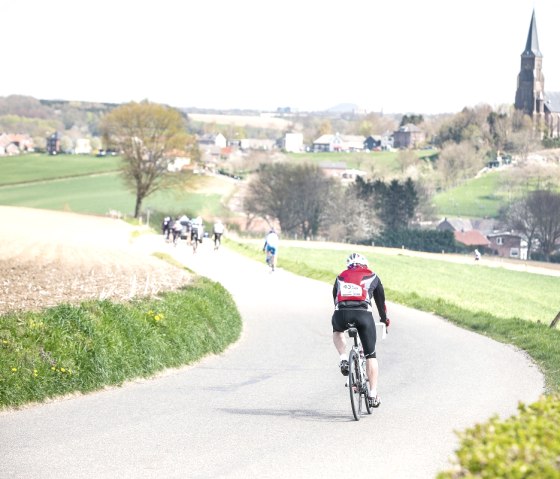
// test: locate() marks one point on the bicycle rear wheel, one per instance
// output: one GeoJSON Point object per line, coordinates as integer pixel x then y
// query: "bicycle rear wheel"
{"type": "Point", "coordinates": [354, 385]}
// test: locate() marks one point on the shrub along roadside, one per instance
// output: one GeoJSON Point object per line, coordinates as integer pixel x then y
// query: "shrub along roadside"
{"type": "Point", "coordinates": [526, 445]}
{"type": "Point", "coordinates": [98, 343]}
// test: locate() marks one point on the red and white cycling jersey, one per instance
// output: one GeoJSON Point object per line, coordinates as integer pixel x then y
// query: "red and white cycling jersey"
{"type": "Point", "coordinates": [356, 284]}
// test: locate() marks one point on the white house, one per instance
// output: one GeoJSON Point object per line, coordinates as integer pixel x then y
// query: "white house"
{"type": "Point", "coordinates": [83, 147]}
{"type": "Point", "coordinates": [293, 142]}
{"type": "Point", "coordinates": [338, 142]}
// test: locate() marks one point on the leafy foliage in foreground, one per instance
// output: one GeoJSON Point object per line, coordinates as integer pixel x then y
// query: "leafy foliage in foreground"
{"type": "Point", "coordinates": [523, 446]}
{"type": "Point", "coordinates": [83, 348]}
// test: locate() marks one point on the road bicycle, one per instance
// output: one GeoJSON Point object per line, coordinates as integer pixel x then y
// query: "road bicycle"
{"type": "Point", "coordinates": [357, 379]}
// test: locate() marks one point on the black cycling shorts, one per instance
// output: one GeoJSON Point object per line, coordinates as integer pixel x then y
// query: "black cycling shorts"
{"type": "Point", "coordinates": [364, 324]}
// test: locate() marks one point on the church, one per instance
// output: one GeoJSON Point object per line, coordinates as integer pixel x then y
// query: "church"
{"type": "Point", "coordinates": [531, 97]}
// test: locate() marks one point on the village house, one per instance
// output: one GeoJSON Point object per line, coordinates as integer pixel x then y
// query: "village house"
{"type": "Point", "coordinates": [472, 239]}
{"type": "Point", "coordinates": [341, 171]}
{"type": "Point", "coordinates": [508, 245]}
{"type": "Point", "coordinates": [293, 142]}
{"type": "Point", "coordinates": [408, 136]}
{"type": "Point", "coordinates": [15, 144]}
{"type": "Point", "coordinates": [210, 139]}
{"type": "Point", "coordinates": [338, 142]}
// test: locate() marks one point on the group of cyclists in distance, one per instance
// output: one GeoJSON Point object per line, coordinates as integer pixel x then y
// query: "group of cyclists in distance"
{"type": "Point", "coordinates": [191, 230]}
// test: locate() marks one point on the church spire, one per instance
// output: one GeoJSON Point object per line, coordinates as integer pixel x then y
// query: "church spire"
{"type": "Point", "coordinates": [530, 96]}
{"type": "Point", "coordinates": [532, 46]}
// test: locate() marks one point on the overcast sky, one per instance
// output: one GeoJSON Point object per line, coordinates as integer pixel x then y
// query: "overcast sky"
{"type": "Point", "coordinates": [407, 56]}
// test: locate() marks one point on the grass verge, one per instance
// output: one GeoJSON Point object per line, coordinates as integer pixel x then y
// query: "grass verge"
{"type": "Point", "coordinates": [83, 348]}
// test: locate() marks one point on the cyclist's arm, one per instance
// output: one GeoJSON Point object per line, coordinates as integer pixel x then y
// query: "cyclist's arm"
{"type": "Point", "coordinates": [335, 290]}
{"type": "Point", "coordinates": [379, 298]}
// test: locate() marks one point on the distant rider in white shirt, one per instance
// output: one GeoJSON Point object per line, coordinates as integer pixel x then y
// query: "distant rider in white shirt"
{"type": "Point", "coordinates": [271, 248]}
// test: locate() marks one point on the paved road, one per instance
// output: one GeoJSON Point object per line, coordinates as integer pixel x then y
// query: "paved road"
{"type": "Point", "coordinates": [274, 405]}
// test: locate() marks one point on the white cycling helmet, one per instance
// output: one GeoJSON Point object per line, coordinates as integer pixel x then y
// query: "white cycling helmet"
{"type": "Point", "coordinates": [355, 259]}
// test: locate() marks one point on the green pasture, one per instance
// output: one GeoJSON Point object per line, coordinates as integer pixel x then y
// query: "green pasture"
{"type": "Point", "coordinates": [476, 198]}
{"type": "Point", "coordinates": [38, 167]}
{"type": "Point", "coordinates": [100, 193]}
{"type": "Point", "coordinates": [377, 162]}
{"type": "Point", "coordinates": [503, 293]}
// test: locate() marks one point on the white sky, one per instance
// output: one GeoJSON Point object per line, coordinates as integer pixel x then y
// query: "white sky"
{"type": "Point", "coordinates": [398, 56]}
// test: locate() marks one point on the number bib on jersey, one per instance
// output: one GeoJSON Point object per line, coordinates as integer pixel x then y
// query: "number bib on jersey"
{"type": "Point", "coordinates": [351, 291]}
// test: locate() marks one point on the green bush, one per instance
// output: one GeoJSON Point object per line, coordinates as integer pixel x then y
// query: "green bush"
{"type": "Point", "coordinates": [98, 343]}
{"type": "Point", "coordinates": [433, 241]}
{"type": "Point", "coordinates": [523, 446]}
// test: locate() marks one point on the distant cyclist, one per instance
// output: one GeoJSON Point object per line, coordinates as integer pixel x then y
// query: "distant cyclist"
{"type": "Point", "coordinates": [271, 248]}
{"type": "Point", "coordinates": [352, 293]}
{"type": "Point", "coordinates": [197, 229]}
{"type": "Point", "coordinates": [218, 231]}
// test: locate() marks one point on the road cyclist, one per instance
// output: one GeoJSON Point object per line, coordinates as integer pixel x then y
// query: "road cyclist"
{"type": "Point", "coordinates": [271, 248]}
{"type": "Point", "coordinates": [197, 232]}
{"type": "Point", "coordinates": [218, 231]}
{"type": "Point", "coordinates": [352, 293]}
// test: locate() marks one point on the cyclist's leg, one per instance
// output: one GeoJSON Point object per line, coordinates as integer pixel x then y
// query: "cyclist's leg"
{"type": "Point", "coordinates": [368, 337]}
{"type": "Point", "coordinates": [340, 325]}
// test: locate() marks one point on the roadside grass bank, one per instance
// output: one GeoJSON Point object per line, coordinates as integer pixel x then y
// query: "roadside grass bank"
{"type": "Point", "coordinates": [523, 445]}
{"type": "Point", "coordinates": [490, 301]}
{"type": "Point", "coordinates": [84, 348]}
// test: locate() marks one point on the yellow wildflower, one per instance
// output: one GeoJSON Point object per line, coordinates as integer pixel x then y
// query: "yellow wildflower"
{"type": "Point", "coordinates": [14, 370]}
{"type": "Point", "coordinates": [62, 370]}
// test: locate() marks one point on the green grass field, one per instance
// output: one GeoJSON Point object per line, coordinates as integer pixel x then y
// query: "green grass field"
{"type": "Point", "coordinates": [81, 188]}
{"type": "Point", "coordinates": [38, 167]}
{"type": "Point", "coordinates": [476, 198]}
{"type": "Point", "coordinates": [378, 162]}
{"type": "Point", "coordinates": [503, 293]}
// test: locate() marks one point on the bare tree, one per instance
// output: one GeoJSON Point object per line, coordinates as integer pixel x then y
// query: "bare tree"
{"type": "Point", "coordinates": [148, 136]}
{"type": "Point", "coordinates": [296, 195]}
{"type": "Point", "coordinates": [544, 205]}
{"type": "Point", "coordinates": [537, 217]}
{"type": "Point", "coordinates": [518, 217]}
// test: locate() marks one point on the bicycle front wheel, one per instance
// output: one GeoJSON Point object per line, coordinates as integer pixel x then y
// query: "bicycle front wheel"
{"type": "Point", "coordinates": [354, 385]}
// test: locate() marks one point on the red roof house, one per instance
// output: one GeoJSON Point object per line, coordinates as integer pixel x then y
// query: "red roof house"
{"type": "Point", "coordinates": [471, 238]}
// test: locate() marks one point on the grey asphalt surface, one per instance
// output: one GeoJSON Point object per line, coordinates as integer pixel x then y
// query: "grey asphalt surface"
{"type": "Point", "coordinates": [274, 405]}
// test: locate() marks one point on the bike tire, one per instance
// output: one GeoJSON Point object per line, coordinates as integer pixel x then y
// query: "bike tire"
{"type": "Point", "coordinates": [354, 385]}
{"type": "Point", "coordinates": [195, 245]}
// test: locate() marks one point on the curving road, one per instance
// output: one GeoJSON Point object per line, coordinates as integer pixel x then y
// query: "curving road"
{"type": "Point", "coordinates": [274, 405]}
